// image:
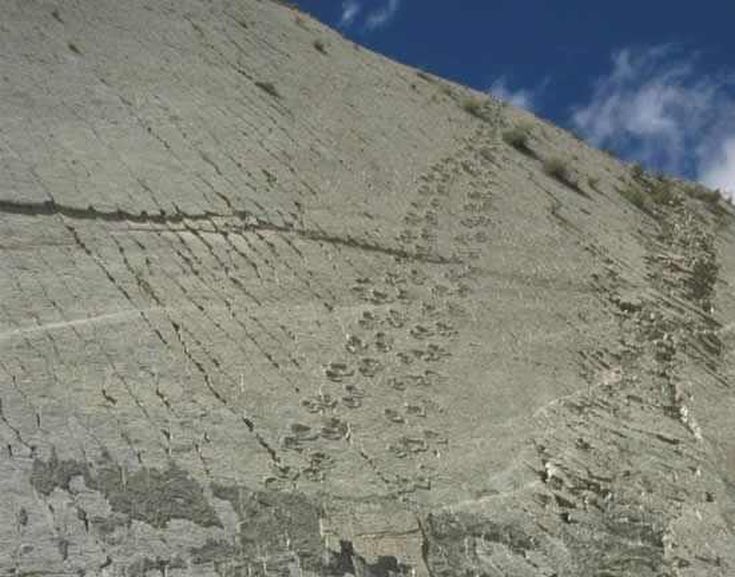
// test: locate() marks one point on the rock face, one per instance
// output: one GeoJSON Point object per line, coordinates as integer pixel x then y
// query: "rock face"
{"type": "Point", "coordinates": [273, 305]}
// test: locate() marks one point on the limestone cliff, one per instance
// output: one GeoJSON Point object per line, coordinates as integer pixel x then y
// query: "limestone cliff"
{"type": "Point", "coordinates": [271, 304]}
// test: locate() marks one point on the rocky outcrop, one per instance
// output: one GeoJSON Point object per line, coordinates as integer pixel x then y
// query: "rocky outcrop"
{"type": "Point", "coordinates": [274, 305]}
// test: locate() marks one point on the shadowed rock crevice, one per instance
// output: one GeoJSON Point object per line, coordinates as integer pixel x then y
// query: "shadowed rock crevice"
{"type": "Point", "coordinates": [241, 221]}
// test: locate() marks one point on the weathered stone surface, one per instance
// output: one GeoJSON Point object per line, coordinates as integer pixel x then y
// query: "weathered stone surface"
{"type": "Point", "coordinates": [270, 309]}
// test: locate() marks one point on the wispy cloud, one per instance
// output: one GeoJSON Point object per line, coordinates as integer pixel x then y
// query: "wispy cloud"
{"type": "Point", "coordinates": [350, 10]}
{"type": "Point", "coordinates": [521, 98]}
{"type": "Point", "coordinates": [719, 172]}
{"type": "Point", "coordinates": [655, 108]}
{"type": "Point", "coordinates": [382, 16]}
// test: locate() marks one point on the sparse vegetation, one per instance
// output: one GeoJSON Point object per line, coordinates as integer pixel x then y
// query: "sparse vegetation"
{"type": "Point", "coordinates": [646, 195]}
{"type": "Point", "coordinates": [635, 196]}
{"type": "Point", "coordinates": [517, 137]}
{"type": "Point", "coordinates": [661, 192]}
{"type": "Point", "coordinates": [704, 194]}
{"type": "Point", "coordinates": [558, 169]}
{"type": "Point", "coordinates": [268, 87]}
{"type": "Point", "coordinates": [713, 200]}
{"type": "Point", "coordinates": [637, 171]}
{"type": "Point", "coordinates": [649, 191]}
{"type": "Point", "coordinates": [705, 269]}
{"type": "Point", "coordinates": [320, 46]}
{"type": "Point", "coordinates": [474, 106]}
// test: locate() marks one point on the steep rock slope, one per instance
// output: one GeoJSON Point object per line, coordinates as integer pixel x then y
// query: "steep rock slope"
{"type": "Point", "coordinates": [274, 305]}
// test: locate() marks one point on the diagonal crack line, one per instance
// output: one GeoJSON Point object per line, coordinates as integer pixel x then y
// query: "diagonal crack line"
{"type": "Point", "coordinates": [361, 244]}
{"type": "Point", "coordinates": [246, 222]}
{"type": "Point", "coordinates": [50, 208]}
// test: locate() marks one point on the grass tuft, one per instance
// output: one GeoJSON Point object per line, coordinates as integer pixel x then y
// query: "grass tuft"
{"type": "Point", "coordinates": [637, 171]}
{"type": "Point", "coordinates": [474, 106]}
{"type": "Point", "coordinates": [518, 138]}
{"type": "Point", "coordinates": [558, 169]}
{"type": "Point", "coordinates": [704, 194]}
{"type": "Point", "coordinates": [636, 197]}
{"type": "Point", "coordinates": [661, 193]}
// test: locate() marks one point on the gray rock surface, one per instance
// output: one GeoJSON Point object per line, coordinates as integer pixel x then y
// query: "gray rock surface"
{"type": "Point", "coordinates": [271, 304]}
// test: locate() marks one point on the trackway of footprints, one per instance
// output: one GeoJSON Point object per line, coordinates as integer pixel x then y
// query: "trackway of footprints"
{"type": "Point", "coordinates": [397, 347]}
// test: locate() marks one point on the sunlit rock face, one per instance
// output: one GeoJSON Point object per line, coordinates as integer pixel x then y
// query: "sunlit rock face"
{"type": "Point", "coordinates": [271, 304]}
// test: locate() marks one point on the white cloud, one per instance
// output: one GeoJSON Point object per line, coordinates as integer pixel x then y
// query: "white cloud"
{"type": "Point", "coordinates": [520, 98]}
{"type": "Point", "coordinates": [379, 17]}
{"type": "Point", "coordinates": [382, 16]}
{"type": "Point", "coordinates": [655, 108]}
{"type": "Point", "coordinates": [720, 172]}
{"type": "Point", "coordinates": [350, 10]}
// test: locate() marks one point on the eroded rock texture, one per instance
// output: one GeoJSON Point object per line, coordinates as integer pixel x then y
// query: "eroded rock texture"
{"type": "Point", "coordinates": [273, 305]}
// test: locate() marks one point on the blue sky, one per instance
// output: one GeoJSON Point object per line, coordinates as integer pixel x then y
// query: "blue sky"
{"type": "Point", "coordinates": [653, 80]}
